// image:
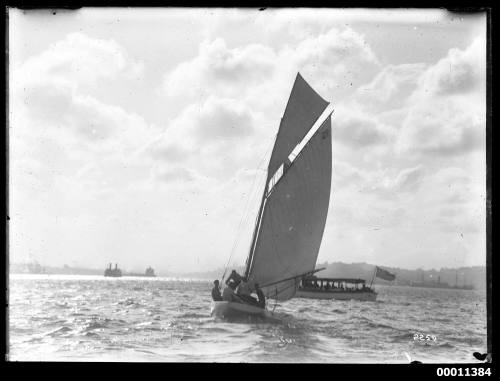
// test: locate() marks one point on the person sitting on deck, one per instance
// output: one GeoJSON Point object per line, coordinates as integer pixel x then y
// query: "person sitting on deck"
{"type": "Point", "coordinates": [244, 291]}
{"type": "Point", "coordinates": [260, 295]}
{"type": "Point", "coordinates": [229, 295]}
{"type": "Point", "coordinates": [235, 277]}
{"type": "Point", "coordinates": [216, 296]}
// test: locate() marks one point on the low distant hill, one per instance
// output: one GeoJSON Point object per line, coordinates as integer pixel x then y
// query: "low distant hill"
{"type": "Point", "coordinates": [35, 268]}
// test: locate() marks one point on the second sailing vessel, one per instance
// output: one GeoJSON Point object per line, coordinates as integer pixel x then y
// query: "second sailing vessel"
{"type": "Point", "coordinates": [294, 204]}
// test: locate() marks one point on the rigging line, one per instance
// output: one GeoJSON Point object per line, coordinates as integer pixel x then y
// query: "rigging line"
{"type": "Point", "coordinates": [294, 277]}
{"type": "Point", "coordinates": [238, 230]}
{"type": "Point", "coordinates": [246, 209]}
{"type": "Point", "coordinates": [258, 219]}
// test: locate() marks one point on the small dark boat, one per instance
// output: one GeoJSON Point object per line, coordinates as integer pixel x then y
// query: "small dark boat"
{"type": "Point", "coordinates": [149, 273]}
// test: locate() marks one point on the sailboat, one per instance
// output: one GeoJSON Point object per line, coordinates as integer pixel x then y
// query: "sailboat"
{"type": "Point", "coordinates": [294, 205]}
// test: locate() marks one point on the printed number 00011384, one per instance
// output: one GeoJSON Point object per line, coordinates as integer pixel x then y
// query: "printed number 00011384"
{"type": "Point", "coordinates": [463, 371]}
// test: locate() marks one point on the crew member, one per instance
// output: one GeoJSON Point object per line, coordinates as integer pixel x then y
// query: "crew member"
{"type": "Point", "coordinates": [228, 294]}
{"type": "Point", "coordinates": [260, 295]}
{"type": "Point", "coordinates": [244, 291]}
{"type": "Point", "coordinates": [234, 276]}
{"type": "Point", "coordinates": [216, 296]}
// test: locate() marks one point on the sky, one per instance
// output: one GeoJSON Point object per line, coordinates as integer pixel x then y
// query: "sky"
{"type": "Point", "coordinates": [142, 136]}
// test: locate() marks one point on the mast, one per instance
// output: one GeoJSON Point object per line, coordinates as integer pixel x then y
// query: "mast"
{"type": "Point", "coordinates": [254, 236]}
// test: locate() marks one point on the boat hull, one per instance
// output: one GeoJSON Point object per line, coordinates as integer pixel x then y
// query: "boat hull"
{"type": "Point", "coordinates": [338, 295]}
{"type": "Point", "coordinates": [231, 309]}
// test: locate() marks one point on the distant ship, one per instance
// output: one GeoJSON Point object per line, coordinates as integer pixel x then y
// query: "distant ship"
{"type": "Point", "coordinates": [149, 273]}
{"type": "Point", "coordinates": [116, 272]}
{"type": "Point", "coordinates": [35, 268]}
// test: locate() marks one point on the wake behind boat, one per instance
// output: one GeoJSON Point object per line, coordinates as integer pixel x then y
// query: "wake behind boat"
{"type": "Point", "coordinates": [293, 209]}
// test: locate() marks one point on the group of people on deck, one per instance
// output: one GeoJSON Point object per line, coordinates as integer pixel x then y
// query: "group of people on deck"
{"type": "Point", "coordinates": [238, 290]}
{"type": "Point", "coordinates": [331, 286]}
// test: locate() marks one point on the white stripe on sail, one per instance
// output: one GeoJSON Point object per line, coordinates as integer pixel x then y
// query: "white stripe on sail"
{"type": "Point", "coordinates": [326, 113]}
{"type": "Point", "coordinates": [299, 147]}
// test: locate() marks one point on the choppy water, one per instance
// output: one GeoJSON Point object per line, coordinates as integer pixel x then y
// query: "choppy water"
{"type": "Point", "coordinates": [86, 318]}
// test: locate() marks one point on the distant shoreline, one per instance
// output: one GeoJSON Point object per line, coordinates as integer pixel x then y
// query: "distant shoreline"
{"type": "Point", "coordinates": [21, 276]}
{"type": "Point", "coordinates": [462, 276]}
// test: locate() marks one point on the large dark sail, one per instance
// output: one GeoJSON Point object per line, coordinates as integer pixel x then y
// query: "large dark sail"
{"type": "Point", "coordinates": [294, 206]}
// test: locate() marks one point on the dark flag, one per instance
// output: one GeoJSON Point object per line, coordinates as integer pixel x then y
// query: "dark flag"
{"type": "Point", "coordinates": [384, 274]}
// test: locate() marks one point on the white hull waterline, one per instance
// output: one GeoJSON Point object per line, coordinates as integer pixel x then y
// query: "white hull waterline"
{"type": "Point", "coordinates": [233, 309]}
{"type": "Point", "coordinates": [338, 295]}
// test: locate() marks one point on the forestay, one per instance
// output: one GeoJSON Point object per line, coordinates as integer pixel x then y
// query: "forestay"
{"type": "Point", "coordinates": [294, 207]}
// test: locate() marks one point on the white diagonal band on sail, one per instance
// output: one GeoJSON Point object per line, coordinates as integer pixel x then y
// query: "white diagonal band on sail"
{"type": "Point", "coordinates": [326, 113]}
{"type": "Point", "coordinates": [299, 147]}
{"type": "Point", "coordinates": [302, 109]}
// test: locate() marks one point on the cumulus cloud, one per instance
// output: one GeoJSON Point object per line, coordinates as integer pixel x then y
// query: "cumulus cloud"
{"type": "Point", "coordinates": [336, 55]}
{"type": "Point", "coordinates": [345, 175]}
{"type": "Point", "coordinates": [81, 121]}
{"type": "Point", "coordinates": [356, 129]}
{"type": "Point", "coordinates": [220, 119]}
{"type": "Point", "coordinates": [259, 73]}
{"type": "Point", "coordinates": [226, 93]}
{"type": "Point", "coordinates": [446, 112]}
{"type": "Point", "coordinates": [443, 128]}
{"type": "Point", "coordinates": [50, 88]}
{"type": "Point", "coordinates": [406, 180]}
{"type": "Point", "coordinates": [61, 126]}
{"type": "Point", "coordinates": [461, 71]}
{"type": "Point", "coordinates": [75, 61]}
{"type": "Point", "coordinates": [213, 138]}
{"type": "Point", "coordinates": [220, 70]}
{"type": "Point", "coordinates": [391, 86]}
